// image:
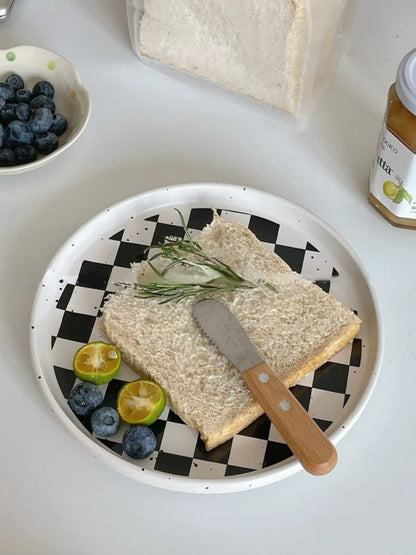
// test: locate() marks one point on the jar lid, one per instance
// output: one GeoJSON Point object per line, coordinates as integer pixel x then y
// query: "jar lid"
{"type": "Point", "coordinates": [406, 81]}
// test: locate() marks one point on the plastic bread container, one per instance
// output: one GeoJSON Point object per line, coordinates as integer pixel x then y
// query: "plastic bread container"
{"type": "Point", "coordinates": [276, 56]}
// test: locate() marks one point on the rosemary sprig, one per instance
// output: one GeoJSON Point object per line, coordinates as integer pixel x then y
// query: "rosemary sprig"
{"type": "Point", "coordinates": [201, 274]}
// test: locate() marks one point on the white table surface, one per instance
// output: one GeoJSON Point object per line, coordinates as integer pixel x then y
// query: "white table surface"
{"type": "Point", "coordinates": [147, 130]}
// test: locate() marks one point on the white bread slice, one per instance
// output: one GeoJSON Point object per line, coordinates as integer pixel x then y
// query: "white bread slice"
{"type": "Point", "coordinates": [295, 330]}
{"type": "Point", "coordinates": [265, 50]}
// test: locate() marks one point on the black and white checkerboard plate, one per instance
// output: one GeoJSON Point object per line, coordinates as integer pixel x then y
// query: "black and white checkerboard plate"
{"type": "Point", "coordinates": [67, 309]}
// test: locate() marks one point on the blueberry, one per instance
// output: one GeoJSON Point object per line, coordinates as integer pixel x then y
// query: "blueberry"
{"type": "Point", "coordinates": [6, 142]}
{"type": "Point", "coordinates": [105, 421]}
{"type": "Point", "coordinates": [25, 154]}
{"type": "Point", "coordinates": [44, 88]}
{"type": "Point", "coordinates": [7, 157]}
{"type": "Point", "coordinates": [15, 81]}
{"type": "Point", "coordinates": [23, 111]}
{"type": "Point", "coordinates": [29, 125]}
{"type": "Point", "coordinates": [139, 441]}
{"type": "Point", "coordinates": [45, 142]}
{"type": "Point", "coordinates": [8, 113]}
{"type": "Point", "coordinates": [6, 91]}
{"type": "Point", "coordinates": [43, 101]}
{"type": "Point", "coordinates": [84, 398]}
{"type": "Point", "coordinates": [59, 124]}
{"type": "Point", "coordinates": [23, 95]}
{"type": "Point", "coordinates": [41, 120]}
{"type": "Point", "coordinates": [19, 133]}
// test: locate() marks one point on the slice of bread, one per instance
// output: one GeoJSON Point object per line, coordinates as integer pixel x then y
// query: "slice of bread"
{"type": "Point", "coordinates": [295, 329]}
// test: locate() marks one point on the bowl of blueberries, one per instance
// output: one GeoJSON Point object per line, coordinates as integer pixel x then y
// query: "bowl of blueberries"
{"type": "Point", "coordinates": [44, 107]}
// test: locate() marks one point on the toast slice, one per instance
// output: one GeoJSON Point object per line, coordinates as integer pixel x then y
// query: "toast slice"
{"type": "Point", "coordinates": [295, 329]}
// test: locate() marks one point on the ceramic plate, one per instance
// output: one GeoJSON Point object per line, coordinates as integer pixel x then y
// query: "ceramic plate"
{"type": "Point", "coordinates": [68, 305]}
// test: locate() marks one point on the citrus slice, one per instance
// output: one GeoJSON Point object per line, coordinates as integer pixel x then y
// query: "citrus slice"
{"type": "Point", "coordinates": [141, 402]}
{"type": "Point", "coordinates": [97, 362]}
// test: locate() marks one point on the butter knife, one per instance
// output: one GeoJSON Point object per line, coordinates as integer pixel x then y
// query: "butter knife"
{"type": "Point", "coordinates": [301, 433]}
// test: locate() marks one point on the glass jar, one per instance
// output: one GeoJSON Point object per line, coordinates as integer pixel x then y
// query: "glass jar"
{"type": "Point", "coordinates": [393, 177]}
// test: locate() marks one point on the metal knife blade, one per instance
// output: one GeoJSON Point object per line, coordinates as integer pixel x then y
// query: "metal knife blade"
{"type": "Point", "coordinates": [301, 433]}
{"type": "Point", "coordinates": [223, 328]}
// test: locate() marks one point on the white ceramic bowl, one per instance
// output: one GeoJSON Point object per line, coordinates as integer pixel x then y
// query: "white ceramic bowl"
{"type": "Point", "coordinates": [71, 98]}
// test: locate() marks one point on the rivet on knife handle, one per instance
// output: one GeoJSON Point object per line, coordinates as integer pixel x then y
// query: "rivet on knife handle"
{"type": "Point", "coordinates": [304, 437]}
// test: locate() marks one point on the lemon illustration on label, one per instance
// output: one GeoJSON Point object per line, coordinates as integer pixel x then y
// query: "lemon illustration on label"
{"type": "Point", "coordinates": [396, 192]}
{"type": "Point", "coordinates": [390, 189]}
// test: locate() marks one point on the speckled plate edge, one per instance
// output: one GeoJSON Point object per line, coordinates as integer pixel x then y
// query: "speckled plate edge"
{"type": "Point", "coordinates": [233, 197]}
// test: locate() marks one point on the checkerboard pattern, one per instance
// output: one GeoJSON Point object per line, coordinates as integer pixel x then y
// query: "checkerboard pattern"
{"type": "Point", "coordinates": [180, 450]}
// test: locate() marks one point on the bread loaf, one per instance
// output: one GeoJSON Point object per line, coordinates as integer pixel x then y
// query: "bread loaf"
{"type": "Point", "coordinates": [295, 329]}
{"type": "Point", "coordinates": [265, 49]}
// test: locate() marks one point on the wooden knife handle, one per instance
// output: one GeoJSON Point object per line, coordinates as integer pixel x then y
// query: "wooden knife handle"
{"type": "Point", "coordinates": [304, 437]}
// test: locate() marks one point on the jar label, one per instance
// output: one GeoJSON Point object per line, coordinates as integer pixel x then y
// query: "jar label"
{"type": "Point", "coordinates": [393, 177]}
